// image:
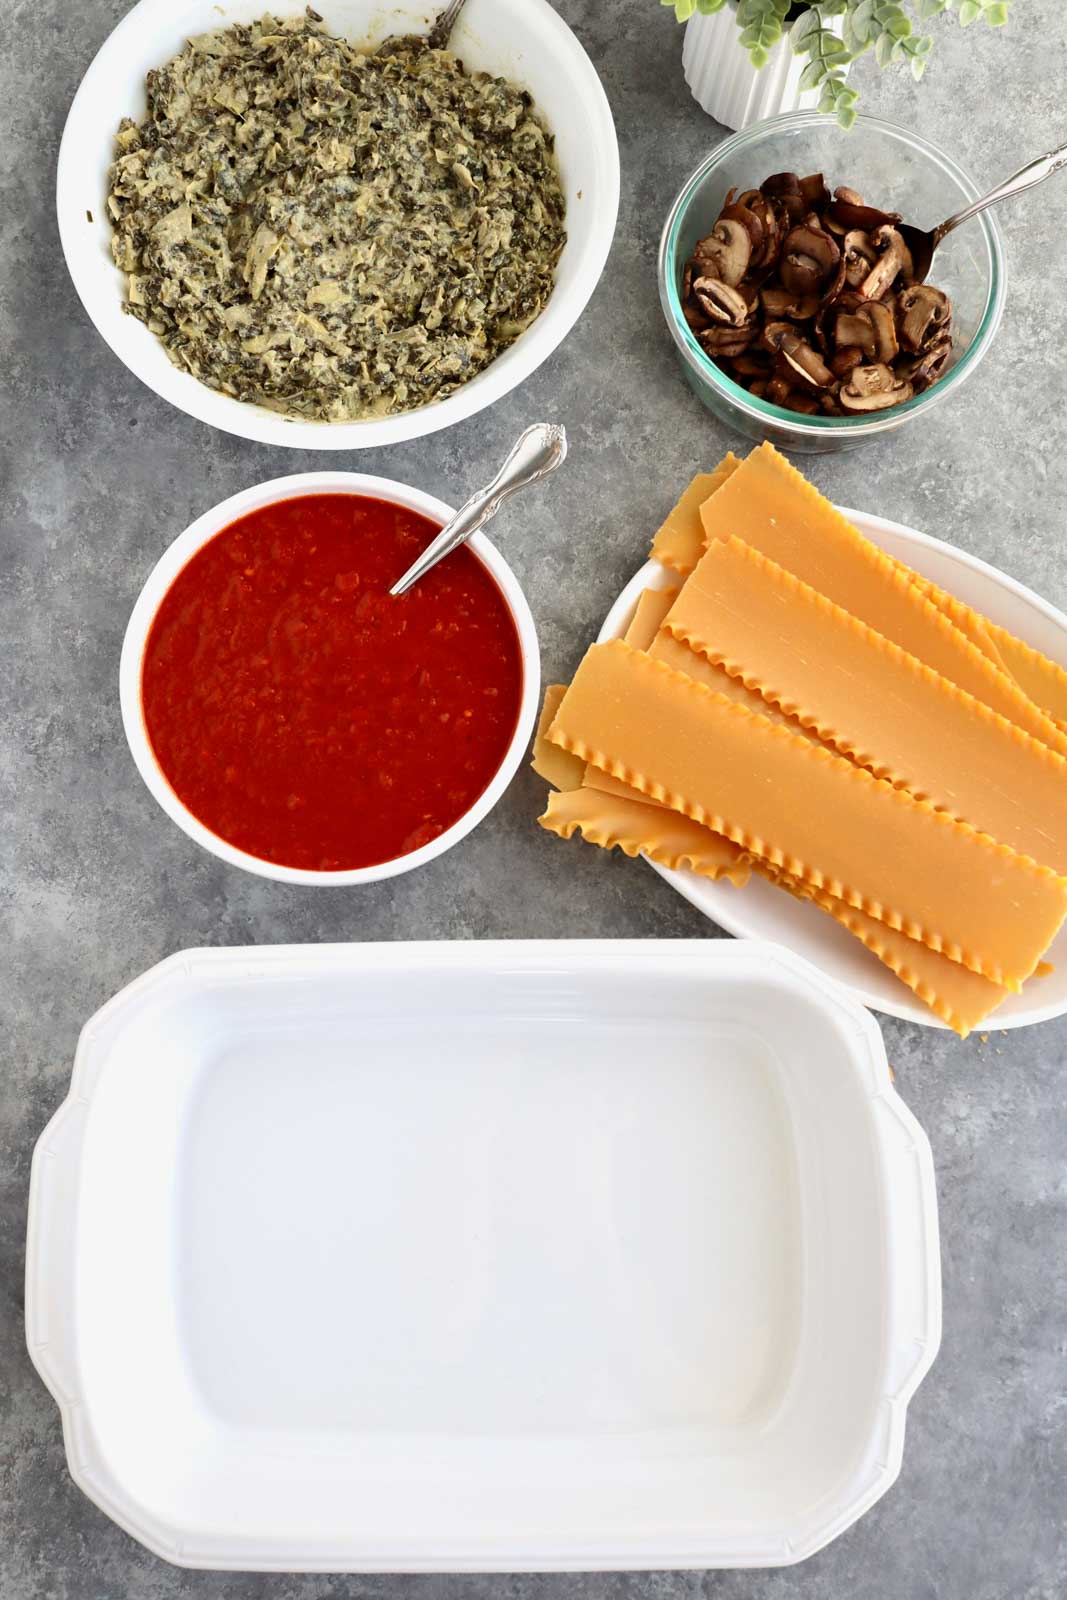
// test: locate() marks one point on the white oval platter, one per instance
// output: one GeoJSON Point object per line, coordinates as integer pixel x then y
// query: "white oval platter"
{"type": "Point", "coordinates": [760, 911]}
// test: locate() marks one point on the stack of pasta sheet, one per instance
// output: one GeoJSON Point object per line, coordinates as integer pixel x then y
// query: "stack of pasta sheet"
{"type": "Point", "coordinates": [804, 707]}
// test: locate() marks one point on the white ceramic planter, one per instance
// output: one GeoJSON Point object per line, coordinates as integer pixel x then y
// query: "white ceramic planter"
{"type": "Point", "coordinates": [726, 84]}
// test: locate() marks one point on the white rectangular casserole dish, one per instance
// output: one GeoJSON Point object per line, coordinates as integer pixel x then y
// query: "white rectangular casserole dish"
{"type": "Point", "coordinates": [483, 1257]}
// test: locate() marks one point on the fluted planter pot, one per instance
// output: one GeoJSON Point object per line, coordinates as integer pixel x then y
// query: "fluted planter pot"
{"type": "Point", "coordinates": [726, 84]}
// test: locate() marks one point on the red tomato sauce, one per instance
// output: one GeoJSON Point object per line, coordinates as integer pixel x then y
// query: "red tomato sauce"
{"type": "Point", "coordinates": [307, 717]}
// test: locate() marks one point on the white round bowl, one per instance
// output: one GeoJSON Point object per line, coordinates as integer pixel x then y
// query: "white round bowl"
{"type": "Point", "coordinates": [193, 539]}
{"type": "Point", "coordinates": [523, 40]}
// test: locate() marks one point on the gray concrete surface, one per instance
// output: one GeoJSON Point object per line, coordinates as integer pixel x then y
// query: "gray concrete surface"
{"type": "Point", "coordinates": [95, 885]}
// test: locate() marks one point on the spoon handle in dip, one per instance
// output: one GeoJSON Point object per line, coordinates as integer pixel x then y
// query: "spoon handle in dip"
{"type": "Point", "coordinates": [536, 453]}
{"type": "Point", "coordinates": [439, 34]}
{"type": "Point", "coordinates": [1033, 173]}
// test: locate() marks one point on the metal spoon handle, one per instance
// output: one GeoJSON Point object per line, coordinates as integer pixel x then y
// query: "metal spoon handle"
{"type": "Point", "coordinates": [536, 453]}
{"type": "Point", "coordinates": [439, 34]}
{"type": "Point", "coordinates": [1033, 173]}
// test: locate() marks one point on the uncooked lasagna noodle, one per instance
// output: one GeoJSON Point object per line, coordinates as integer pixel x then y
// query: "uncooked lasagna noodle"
{"type": "Point", "coordinates": [962, 615]}
{"type": "Point", "coordinates": [564, 771]}
{"type": "Point", "coordinates": [665, 647]}
{"type": "Point", "coordinates": [1043, 680]}
{"type": "Point", "coordinates": [651, 608]}
{"type": "Point", "coordinates": [679, 543]}
{"type": "Point", "coordinates": [616, 822]}
{"type": "Point", "coordinates": [771, 792]}
{"type": "Point", "coordinates": [769, 505]}
{"type": "Point", "coordinates": [622, 818]}
{"type": "Point", "coordinates": [682, 657]}
{"type": "Point", "coordinates": [961, 998]}
{"type": "Point", "coordinates": [556, 766]}
{"type": "Point", "coordinates": [872, 701]}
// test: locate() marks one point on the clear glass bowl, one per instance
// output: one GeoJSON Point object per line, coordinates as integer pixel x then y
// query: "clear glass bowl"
{"type": "Point", "coordinates": [892, 168]}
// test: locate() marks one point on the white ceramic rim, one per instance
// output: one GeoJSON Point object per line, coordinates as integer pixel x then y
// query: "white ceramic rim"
{"type": "Point", "coordinates": [198, 534]}
{"type": "Point", "coordinates": [729, 913]}
{"type": "Point", "coordinates": [248, 421]}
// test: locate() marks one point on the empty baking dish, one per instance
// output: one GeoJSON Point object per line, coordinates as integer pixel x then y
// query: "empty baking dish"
{"type": "Point", "coordinates": [483, 1257]}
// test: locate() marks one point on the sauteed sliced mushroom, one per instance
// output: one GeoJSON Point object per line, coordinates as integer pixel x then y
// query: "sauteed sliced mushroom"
{"type": "Point", "coordinates": [807, 300]}
{"type": "Point", "coordinates": [895, 263]}
{"type": "Point", "coordinates": [805, 361]}
{"type": "Point", "coordinates": [720, 302]}
{"type": "Point", "coordinates": [725, 253]}
{"type": "Point", "coordinates": [922, 312]}
{"type": "Point", "coordinates": [809, 260]}
{"type": "Point", "coordinates": [860, 256]}
{"type": "Point", "coordinates": [874, 388]}
{"type": "Point", "coordinates": [927, 368]}
{"type": "Point", "coordinates": [784, 303]}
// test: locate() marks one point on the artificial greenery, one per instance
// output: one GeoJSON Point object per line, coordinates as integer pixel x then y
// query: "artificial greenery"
{"type": "Point", "coordinates": [891, 28]}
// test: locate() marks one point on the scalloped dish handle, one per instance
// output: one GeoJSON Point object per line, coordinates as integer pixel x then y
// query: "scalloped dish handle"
{"type": "Point", "coordinates": [55, 1180]}
{"type": "Point", "coordinates": [914, 1330]}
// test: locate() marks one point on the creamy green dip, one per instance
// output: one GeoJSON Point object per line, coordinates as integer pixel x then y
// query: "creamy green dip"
{"type": "Point", "coordinates": [328, 231]}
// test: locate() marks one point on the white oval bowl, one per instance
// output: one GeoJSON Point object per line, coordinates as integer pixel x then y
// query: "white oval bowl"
{"type": "Point", "coordinates": [760, 911]}
{"type": "Point", "coordinates": [523, 40]}
{"type": "Point", "coordinates": [198, 534]}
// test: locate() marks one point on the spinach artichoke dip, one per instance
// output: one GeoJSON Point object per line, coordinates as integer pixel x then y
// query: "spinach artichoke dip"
{"type": "Point", "coordinates": [330, 231]}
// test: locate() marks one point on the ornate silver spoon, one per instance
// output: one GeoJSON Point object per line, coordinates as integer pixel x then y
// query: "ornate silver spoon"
{"type": "Point", "coordinates": [922, 244]}
{"type": "Point", "coordinates": [536, 453]}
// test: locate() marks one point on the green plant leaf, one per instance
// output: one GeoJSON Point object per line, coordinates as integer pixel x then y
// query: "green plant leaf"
{"type": "Point", "coordinates": [803, 30]}
{"type": "Point", "coordinates": [887, 25]}
{"type": "Point", "coordinates": [883, 50]}
{"type": "Point", "coordinates": [813, 74]}
{"type": "Point", "coordinates": [861, 23]}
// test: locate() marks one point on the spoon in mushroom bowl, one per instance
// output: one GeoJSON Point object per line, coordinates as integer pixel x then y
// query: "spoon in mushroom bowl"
{"type": "Point", "coordinates": [922, 243]}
